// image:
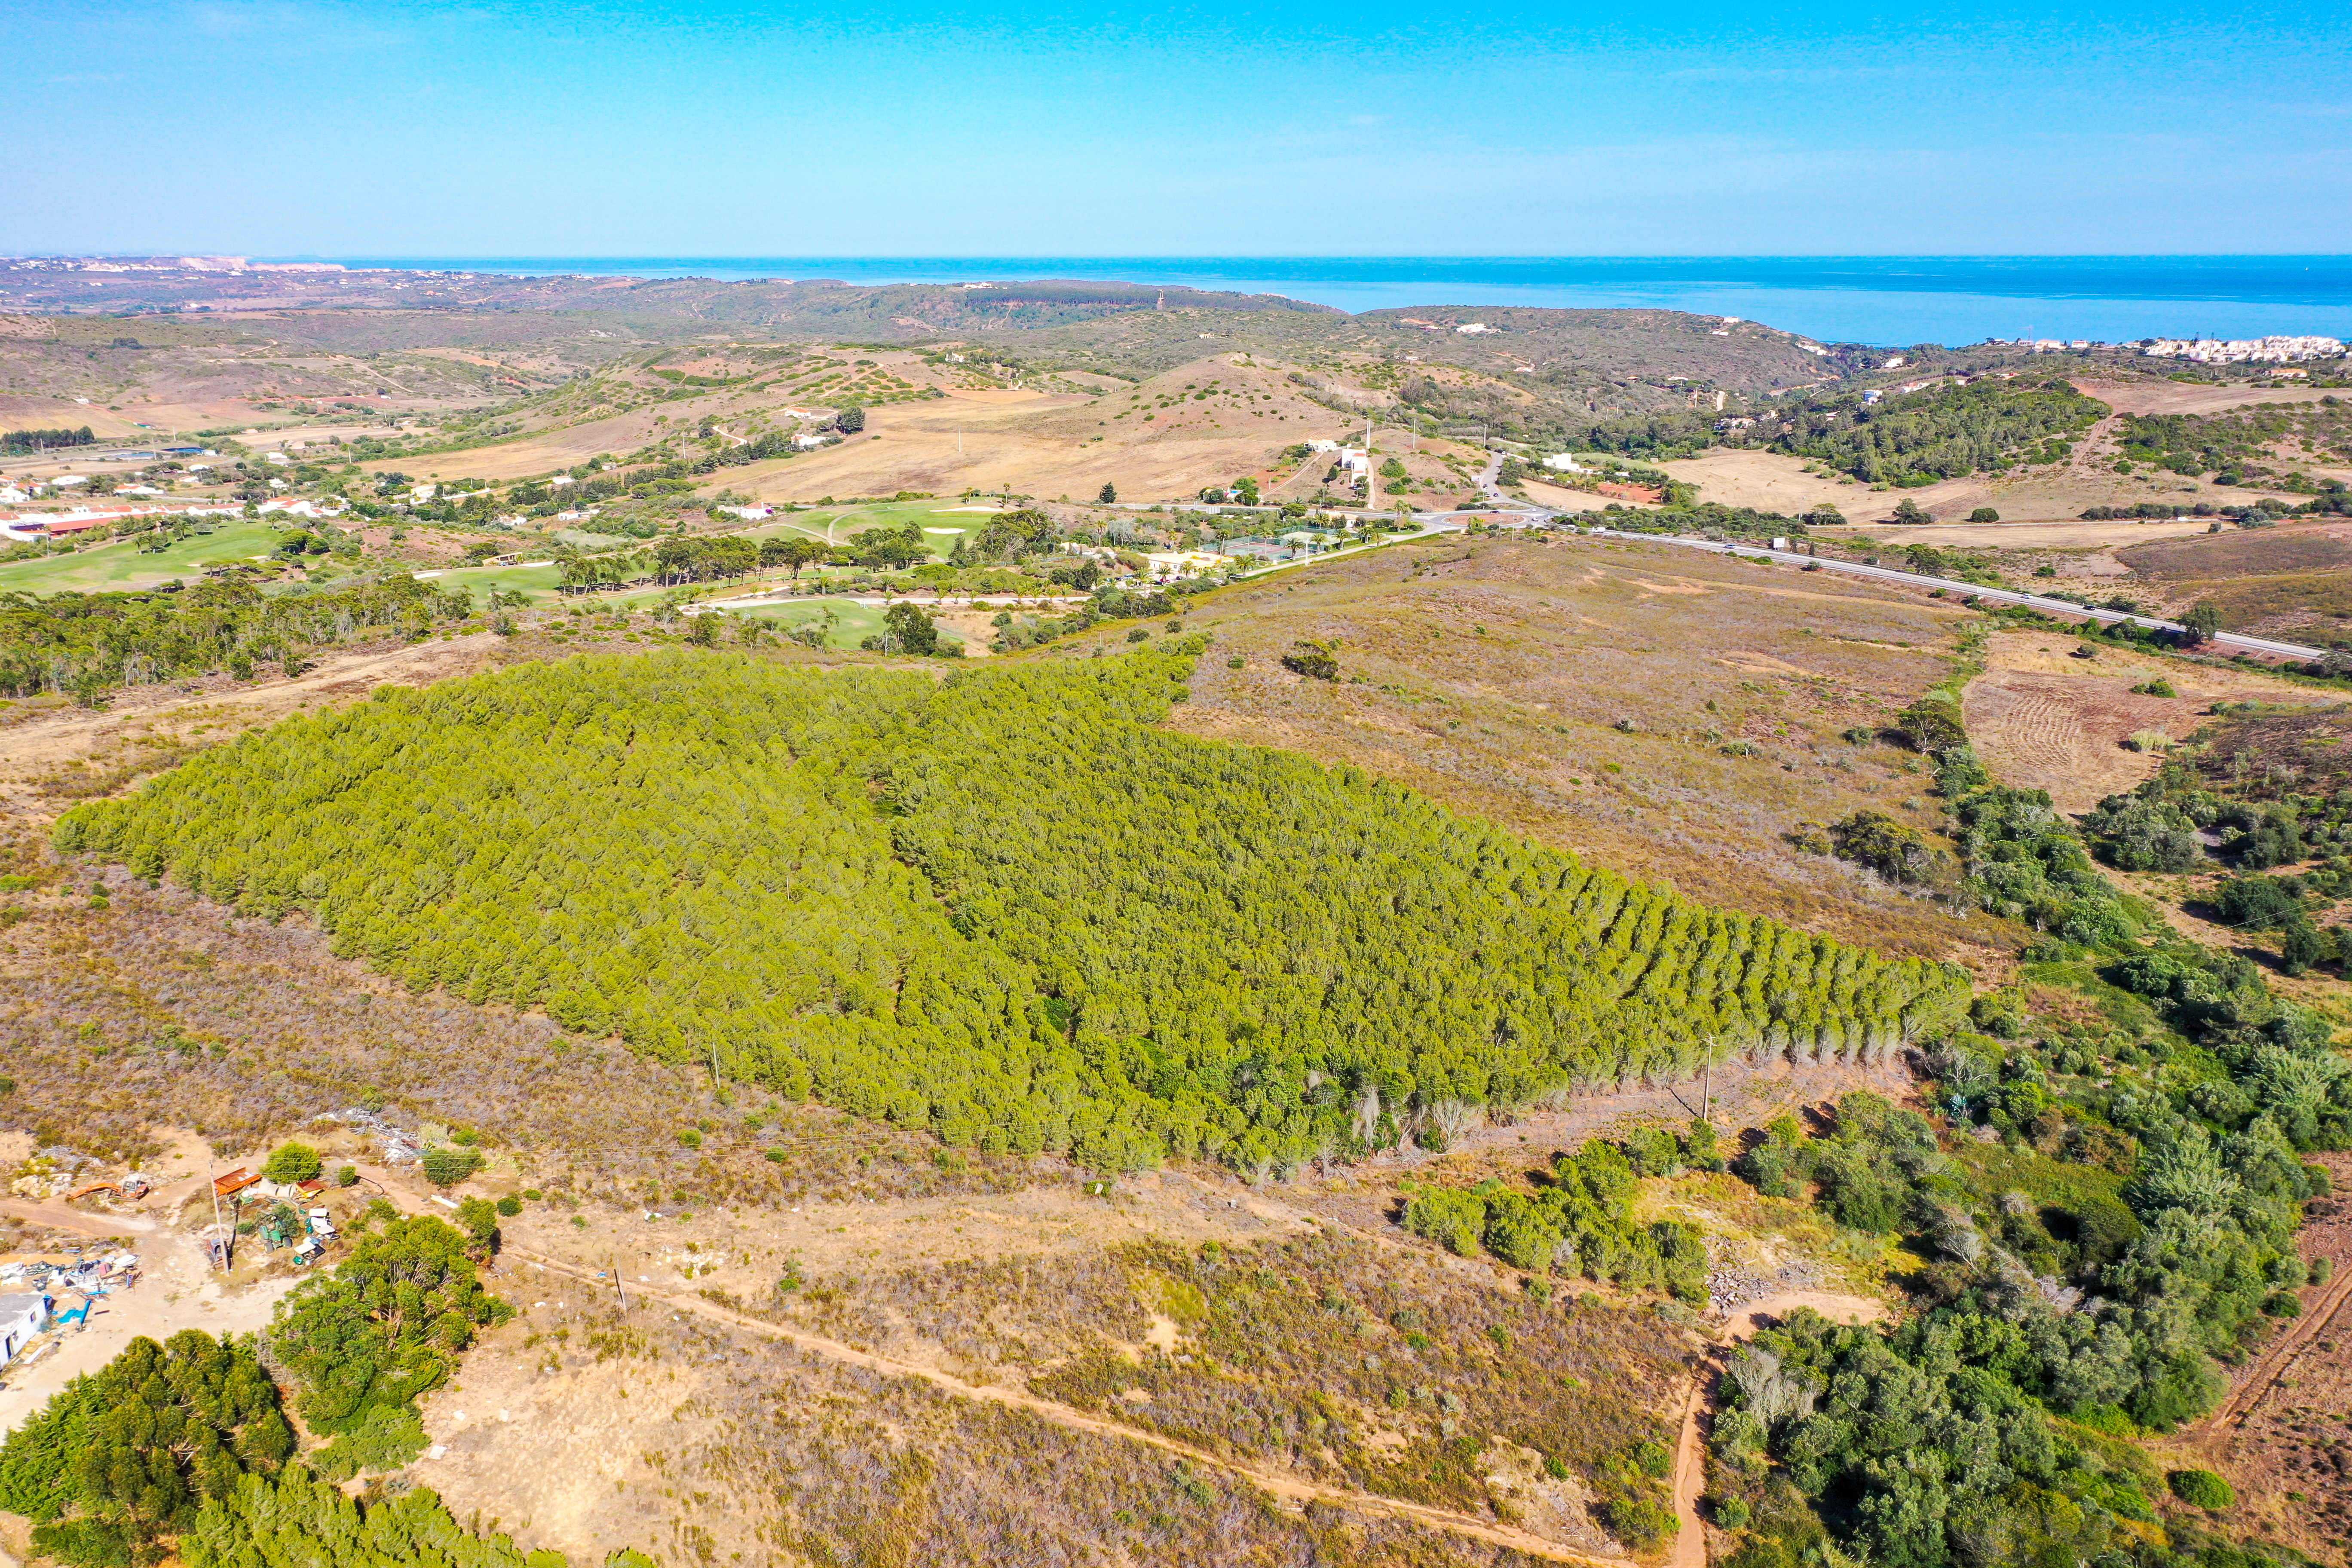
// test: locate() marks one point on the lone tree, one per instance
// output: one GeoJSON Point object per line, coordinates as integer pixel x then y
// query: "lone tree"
{"type": "Point", "coordinates": [914, 630]}
{"type": "Point", "coordinates": [850, 420]}
{"type": "Point", "coordinates": [1108, 493]}
{"type": "Point", "coordinates": [292, 1163]}
{"type": "Point", "coordinates": [1984, 514]}
{"type": "Point", "coordinates": [447, 1167]}
{"type": "Point", "coordinates": [1911, 512]}
{"type": "Point", "coordinates": [2203, 619]}
{"type": "Point", "coordinates": [2200, 1488]}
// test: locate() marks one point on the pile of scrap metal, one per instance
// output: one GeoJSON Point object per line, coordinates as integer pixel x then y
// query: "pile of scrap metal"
{"type": "Point", "coordinates": [89, 1274]}
{"type": "Point", "coordinates": [400, 1147]}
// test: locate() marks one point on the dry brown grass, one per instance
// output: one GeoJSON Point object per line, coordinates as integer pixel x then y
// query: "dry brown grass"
{"type": "Point", "coordinates": [1772, 481]}
{"type": "Point", "coordinates": [1492, 675]}
{"type": "Point", "coordinates": [164, 1009]}
{"type": "Point", "coordinates": [2185, 397]}
{"type": "Point", "coordinates": [2042, 719]}
{"type": "Point", "coordinates": [1350, 1364]}
{"type": "Point", "coordinates": [2294, 579]}
{"type": "Point", "coordinates": [1037, 442]}
{"type": "Point", "coordinates": [2288, 548]}
{"type": "Point", "coordinates": [584, 1429]}
{"type": "Point", "coordinates": [2305, 606]}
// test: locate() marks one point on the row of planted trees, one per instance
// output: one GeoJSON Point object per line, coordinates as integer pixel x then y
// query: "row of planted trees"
{"type": "Point", "coordinates": [1007, 907]}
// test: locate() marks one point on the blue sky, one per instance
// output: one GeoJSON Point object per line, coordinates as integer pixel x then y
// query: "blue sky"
{"type": "Point", "coordinates": [1035, 128]}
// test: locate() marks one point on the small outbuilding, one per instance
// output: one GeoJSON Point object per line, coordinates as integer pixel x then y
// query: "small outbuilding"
{"type": "Point", "coordinates": [23, 1314]}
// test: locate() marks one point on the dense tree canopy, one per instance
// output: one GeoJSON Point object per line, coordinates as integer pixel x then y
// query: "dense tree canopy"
{"type": "Point", "coordinates": [1940, 431]}
{"type": "Point", "coordinates": [385, 1325]}
{"type": "Point", "coordinates": [88, 643]}
{"type": "Point", "coordinates": [129, 1452]}
{"type": "Point", "coordinates": [298, 1521]}
{"type": "Point", "coordinates": [1004, 906]}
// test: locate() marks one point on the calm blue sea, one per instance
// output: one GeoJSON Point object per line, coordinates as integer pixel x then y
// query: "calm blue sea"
{"type": "Point", "coordinates": [1873, 300]}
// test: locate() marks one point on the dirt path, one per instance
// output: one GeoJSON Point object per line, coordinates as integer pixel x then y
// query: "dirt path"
{"type": "Point", "coordinates": [1689, 1550]}
{"type": "Point", "coordinates": [2270, 1368]}
{"type": "Point", "coordinates": [1690, 1479]}
{"type": "Point", "coordinates": [58, 1217]}
{"type": "Point", "coordinates": [1279, 1483]}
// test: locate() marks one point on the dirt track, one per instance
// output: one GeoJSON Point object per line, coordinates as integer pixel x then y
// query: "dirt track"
{"type": "Point", "coordinates": [2268, 1371]}
{"type": "Point", "coordinates": [57, 1216]}
{"type": "Point", "coordinates": [1689, 1550]}
{"type": "Point", "coordinates": [1279, 1483]}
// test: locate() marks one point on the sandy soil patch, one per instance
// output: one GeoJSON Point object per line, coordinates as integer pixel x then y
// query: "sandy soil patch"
{"type": "Point", "coordinates": [2043, 719]}
{"type": "Point", "coordinates": [1567, 499]}
{"type": "Point", "coordinates": [1757, 1316]}
{"type": "Point", "coordinates": [1013, 396]}
{"type": "Point", "coordinates": [174, 1292]}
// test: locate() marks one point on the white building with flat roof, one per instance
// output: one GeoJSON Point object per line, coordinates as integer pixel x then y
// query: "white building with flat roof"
{"type": "Point", "coordinates": [23, 1314]}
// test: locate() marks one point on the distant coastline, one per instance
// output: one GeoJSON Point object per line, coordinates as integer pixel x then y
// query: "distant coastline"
{"type": "Point", "coordinates": [1874, 299]}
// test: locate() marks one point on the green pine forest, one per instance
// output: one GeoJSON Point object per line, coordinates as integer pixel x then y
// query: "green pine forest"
{"type": "Point", "coordinates": [184, 1449]}
{"type": "Point", "coordinates": [1002, 905]}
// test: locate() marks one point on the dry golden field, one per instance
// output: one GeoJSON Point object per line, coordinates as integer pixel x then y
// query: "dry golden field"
{"type": "Point", "coordinates": [2042, 718]}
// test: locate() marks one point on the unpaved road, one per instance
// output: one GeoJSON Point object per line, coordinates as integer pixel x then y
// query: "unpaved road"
{"type": "Point", "coordinates": [57, 1216]}
{"type": "Point", "coordinates": [1277, 1482]}
{"type": "Point", "coordinates": [1689, 1550]}
{"type": "Point", "coordinates": [2271, 1368]}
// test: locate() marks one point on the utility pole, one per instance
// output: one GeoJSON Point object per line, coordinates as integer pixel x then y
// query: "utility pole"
{"type": "Point", "coordinates": [228, 1236]}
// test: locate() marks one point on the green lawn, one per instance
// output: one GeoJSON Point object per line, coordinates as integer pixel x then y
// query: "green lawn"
{"type": "Point", "coordinates": [118, 566]}
{"type": "Point", "coordinates": [852, 621]}
{"type": "Point", "coordinates": [837, 524]}
{"type": "Point", "coordinates": [539, 582]}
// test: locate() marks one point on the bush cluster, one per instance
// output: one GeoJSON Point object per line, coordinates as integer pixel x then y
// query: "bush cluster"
{"type": "Point", "coordinates": [1578, 1220]}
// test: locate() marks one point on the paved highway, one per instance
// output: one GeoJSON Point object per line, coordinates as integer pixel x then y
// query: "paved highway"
{"type": "Point", "coordinates": [1950, 585]}
{"type": "Point", "coordinates": [1434, 521]}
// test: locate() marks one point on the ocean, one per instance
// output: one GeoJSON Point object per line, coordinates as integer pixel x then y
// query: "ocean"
{"type": "Point", "coordinates": [1890, 299]}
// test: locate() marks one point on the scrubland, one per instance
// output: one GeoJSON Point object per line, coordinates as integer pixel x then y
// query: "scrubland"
{"type": "Point", "coordinates": [1638, 704]}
